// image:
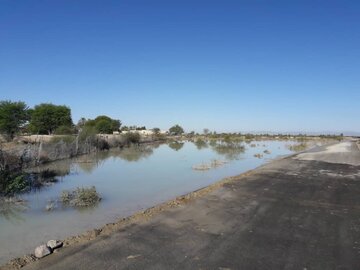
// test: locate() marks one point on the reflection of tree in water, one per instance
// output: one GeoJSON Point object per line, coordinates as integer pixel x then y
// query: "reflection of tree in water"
{"type": "Point", "coordinates": [213, 143]}
{"type": "Point", "coordinates": [88, 163]}
{"type": "Point", "coordinates": [133, 153]}
{"type": "Point", "coordinates": [136, 152]}
{"type": "Point", "coordinates": [11, 210]}
{"type": "Point", "coordinates": [200, 144]}
{"type": "Point", "coordinates": [176, 145]}
{"type": "Point", "coordinates": [230, 150]}
{"type": "Point", "coordinates": [88, 166]}
{"type": "Point", "coordinates": [48, 173]}
{"type": "Point", "coordinates": [44, 175]}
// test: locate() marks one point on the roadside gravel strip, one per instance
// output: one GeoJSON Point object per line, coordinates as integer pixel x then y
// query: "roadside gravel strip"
{"type": "Point", "coordinates": [293, 213]}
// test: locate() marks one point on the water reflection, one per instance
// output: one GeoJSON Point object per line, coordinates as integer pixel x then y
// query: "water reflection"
{"type": "Point", "coordinates": [11, 209]}
{"type": "Point", "coordinates": [57, 168]}
{"type": "Point", "coordinates": [135, 152]}
{"type": "Point", "coordinates": [201, 144]}
{"type": "Point", "coordinates": [230, 150]}
{"type": "Point", "coordinates": [176, 145]}
{"type": "Point", "coordinates": [88, 166]}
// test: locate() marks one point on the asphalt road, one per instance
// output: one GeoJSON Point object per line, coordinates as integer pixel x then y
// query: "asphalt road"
{"type": "Point", "coordinates": [295, 213]}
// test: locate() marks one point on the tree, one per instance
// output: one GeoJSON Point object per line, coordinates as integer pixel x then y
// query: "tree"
{"type": "Point", "coordinates": [176, 130]}
{"type": "Point", "coordinates": [104, 124]}
{"type": "Point", "coordinates": [156, 131]}
{"type": "Point", "coordinates": [81, 122]}
{"type": "Point", "coordinates": [47, 117]}
{"type": "Point", "coordinates": [64, 130]}
{"type": "Point", "coordinates": [206, 131]}
{"type": "Point", "coordinates": [13, 115]}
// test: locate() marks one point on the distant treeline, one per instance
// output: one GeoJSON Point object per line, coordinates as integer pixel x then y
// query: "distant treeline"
{"type": "Point", "coordinates": [47, 118]}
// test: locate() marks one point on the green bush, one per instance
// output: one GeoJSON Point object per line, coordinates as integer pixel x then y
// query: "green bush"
{"type": "Point", "coordinates": [104, 127]}
{"type": "Point", "coordinates": [64, 130]}
{"type": "Point", "coordinates": [12, 183]}
{"type": "Point", "coordinates": [87, 134]}
{"type": "Point", "coordinates": [65, 139]}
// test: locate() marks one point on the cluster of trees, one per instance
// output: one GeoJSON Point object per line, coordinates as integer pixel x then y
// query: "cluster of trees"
{"type": "Point", "coordinates": [176, 130]}
{"type": "Point", "coordinates": [13, 115]}
{"type": "Point", "coordinates": [47, 118]}
{"type": "Point", "coordinates": [101, 124]}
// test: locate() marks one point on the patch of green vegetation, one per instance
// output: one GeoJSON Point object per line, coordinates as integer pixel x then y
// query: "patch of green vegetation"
{"type": "Point", "coordinates": [103, 124]}
{"type": "Point", "coordinates": [298, 147]}
{"type": "Point", "coordinates": [230, 150]}
{"type": "Point", "coordinates": [13, 183]}
{"type": "Point", "coordinates": [87, 134]}
{"type": "Point", "coordinates": [17, 185]}
{"type": "Point", "coordinates": [47, 117]}
{"type": "Point", "coordinates": [65, 130]}
{"type": "Point", "coordinates": [64, 138]}
{"type": "Point", "coordinates": [81, 197]}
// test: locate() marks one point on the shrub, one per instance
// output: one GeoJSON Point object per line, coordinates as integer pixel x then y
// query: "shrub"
{"type": "Point", "coordinates": [81, 197]}
{"type": "Point", "coordinates": [132, 137]}
{"type": "Point", "coordinates": [102, 144]}
{"type": "Point", "coordinates": [298, 147]}
{"type": "Point", "coordinates": [12, 184]}
{"type": "Point", "coordinates": [64, 130]}
{"type": "Point", "coordinates": [87, 134]}
{"type": "Point", "coordinates": [65, 139]}
{"type": "Point", "coordinates": [103, 126]}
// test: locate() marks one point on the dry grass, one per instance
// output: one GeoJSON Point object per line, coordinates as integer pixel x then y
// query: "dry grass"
{"type": "Point", "coordinates": [81, 197]}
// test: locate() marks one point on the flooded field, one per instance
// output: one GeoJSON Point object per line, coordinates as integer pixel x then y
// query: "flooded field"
{"type": "Point", "coordinates": [128, 180]}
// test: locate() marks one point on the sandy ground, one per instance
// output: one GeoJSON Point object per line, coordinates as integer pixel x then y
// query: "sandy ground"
{"type": "Point", "coordinates": [289, 214]}
{"type": "Point", "coordinates": [344, 152]}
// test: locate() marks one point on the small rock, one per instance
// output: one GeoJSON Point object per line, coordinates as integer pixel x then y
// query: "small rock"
{"type": "Point", "coordinates": [42, 251]}
{"type": "Point", "coordinates": [53, 244]}
{"type": "Point", "coordinates": [50, 207]}
{"type": "Point", "coordinates": [92, 234]}
{"type": "Point", "coordinates": [133, 256]}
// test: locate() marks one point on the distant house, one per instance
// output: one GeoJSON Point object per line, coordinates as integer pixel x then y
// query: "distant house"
{"type": "Point", "coordinates": [142, 132]}
{"type": "Point", "coordinates": [145, 132]}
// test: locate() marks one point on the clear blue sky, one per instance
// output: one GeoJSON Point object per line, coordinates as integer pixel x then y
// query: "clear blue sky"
{"type": "Point", "coordinates": [223, 65]}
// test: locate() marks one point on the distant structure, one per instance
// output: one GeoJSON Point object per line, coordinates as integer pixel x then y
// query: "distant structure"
{"type": "Point", "coordinates": [145, 132]}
